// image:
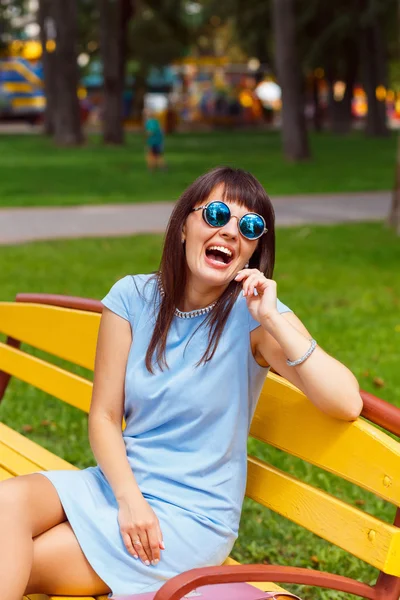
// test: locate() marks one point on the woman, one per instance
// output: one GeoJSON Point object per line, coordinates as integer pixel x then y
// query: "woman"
{"type": "Point", "coordinates": [182, 355]}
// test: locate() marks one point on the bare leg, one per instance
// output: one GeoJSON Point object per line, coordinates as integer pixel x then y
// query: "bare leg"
{"type": "Point", "coordinates": [151, 161]}
{"type": "Point", "coordinates": [60, 567]}
{"type": "Point", "coordinates": [160, 162]}
{"type": "Point", "coordinates": [29, 506]}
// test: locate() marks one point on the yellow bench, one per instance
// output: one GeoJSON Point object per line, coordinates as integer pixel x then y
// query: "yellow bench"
{"type": "Point", "coordinates": [358, 452]}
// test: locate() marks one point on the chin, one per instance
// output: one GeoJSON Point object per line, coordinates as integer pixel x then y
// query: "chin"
{"type": "Point", "coordinates": [217, 277]}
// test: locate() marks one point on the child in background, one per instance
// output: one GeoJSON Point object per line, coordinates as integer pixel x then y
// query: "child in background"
{"type": "Point", "coordinates": [154, 143]}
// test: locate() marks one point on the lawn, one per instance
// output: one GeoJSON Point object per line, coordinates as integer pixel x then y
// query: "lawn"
{"type": "Point", "coordinates": [33, 172]}
{"type": "Point", "coordinates": [342, 281]}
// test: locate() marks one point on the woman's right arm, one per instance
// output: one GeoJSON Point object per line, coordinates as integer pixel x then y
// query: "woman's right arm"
{"type": "Point", "coordinates": [136, 518]}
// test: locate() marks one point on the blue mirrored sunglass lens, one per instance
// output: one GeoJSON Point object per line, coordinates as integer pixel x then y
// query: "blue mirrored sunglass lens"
{"type": "Point", "coordinates": [217, 214]}
{"type": "Point", "coordinates": [251, 226]}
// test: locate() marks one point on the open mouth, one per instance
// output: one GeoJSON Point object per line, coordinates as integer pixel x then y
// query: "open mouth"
{"type": "Point", "coordinates": [219, 255]}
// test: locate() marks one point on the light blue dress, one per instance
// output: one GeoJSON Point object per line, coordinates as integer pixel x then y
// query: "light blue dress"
{"type": "Point", "coordinates": [186, 435]}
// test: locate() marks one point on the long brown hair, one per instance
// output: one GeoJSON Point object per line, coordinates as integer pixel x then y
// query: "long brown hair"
{"type": "Point", "coordinates": [241, 187]}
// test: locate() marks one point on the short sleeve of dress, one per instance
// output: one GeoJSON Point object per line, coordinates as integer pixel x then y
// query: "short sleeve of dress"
{"type": "Point", "coordinates": [119, 298]}
{"type": "Point", "coordinates": [128, 297]}
{"type": "Point", "coordinates": [282, 308]}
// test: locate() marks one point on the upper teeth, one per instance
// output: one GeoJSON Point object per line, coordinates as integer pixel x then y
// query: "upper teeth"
{"type": "Point", "coordinates": [221, 249]}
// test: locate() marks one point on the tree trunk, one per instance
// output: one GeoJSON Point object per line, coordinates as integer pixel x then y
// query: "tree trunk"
{"type": "Point", "coordinates": [374, 59]}
{"type": "Point", "coordinates": [68, 131]}
{"type": "Point", "coordinates": [317, 112]}
{"type": "Point", "coordinates": [341, 110]}
{"type": "Point", "coordinates": [139, 93]}
{"type": "Point", "coordinates": [47, 34]}
{"type": "Point", "coordinates": [394, 215]}
{"type": "Point", "coordinates": [114, 21]}
{"type": "Point", "coordinates": [294, 132]}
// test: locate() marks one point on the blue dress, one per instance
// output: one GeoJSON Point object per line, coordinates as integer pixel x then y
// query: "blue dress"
{"type": "Point", "coordinates": [186, 440]}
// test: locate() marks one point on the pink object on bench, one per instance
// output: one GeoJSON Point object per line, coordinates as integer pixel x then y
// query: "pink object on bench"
{"type": "Point", "coordinates": [220, 591]}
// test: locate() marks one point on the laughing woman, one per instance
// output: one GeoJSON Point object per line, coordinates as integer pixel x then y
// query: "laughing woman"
{"type": "Point", "coordinates": [182, 355]}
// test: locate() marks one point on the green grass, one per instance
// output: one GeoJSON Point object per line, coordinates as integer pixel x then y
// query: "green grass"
{"type": "Point", "coordinates": [33, 172]}
{"type": "Point", "coordinates": [342, 282]}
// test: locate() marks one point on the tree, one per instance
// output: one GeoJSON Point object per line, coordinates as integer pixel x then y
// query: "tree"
{"type": "Point", "coordinates": [374, 66]}
{"type": "Point", "coordinates": [157, 34]}
{"type": "Point", "coordinates": [351, 40]}
{"type": "Point", "coordinates": [394, 215]}
{"type": "Point", "coordinates": [328, 38]}
{"type": "Point", "coordinates": [294, 132]}
{"type": "Point", "coordinates": [10, 12]}
{"type": "Point", "coordinates": [170, 34]}
{"type": "Point", "coordinates": [114, 21]}
{"type": "Point", "coordinates": [47, 38]}
{"type": "Point", "coordinates": [67, 122]}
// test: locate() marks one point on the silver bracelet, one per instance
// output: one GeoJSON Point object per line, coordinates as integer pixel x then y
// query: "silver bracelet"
{"type": "Point", "coordinates": [294, 363]}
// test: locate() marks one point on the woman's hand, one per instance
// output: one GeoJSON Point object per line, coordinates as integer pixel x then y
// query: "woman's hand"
{"type": "Point", "coordinates": [262, 306]}
{"type": "Point", "coordinates": [140, 530]}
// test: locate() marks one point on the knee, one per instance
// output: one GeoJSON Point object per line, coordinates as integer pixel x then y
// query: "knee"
{"type": "Point", "coordinates": [14, 498]}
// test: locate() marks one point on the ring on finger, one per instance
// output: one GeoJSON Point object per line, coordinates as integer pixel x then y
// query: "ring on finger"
{"type": "Point", "coordinates": [137, 542]}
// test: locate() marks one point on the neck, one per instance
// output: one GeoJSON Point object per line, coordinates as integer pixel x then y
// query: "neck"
{"type": "Point", "coordinates": [199, 295]}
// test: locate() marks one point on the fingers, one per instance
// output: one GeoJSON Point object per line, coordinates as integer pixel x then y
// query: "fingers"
{"type": "Point", "coordinates": [160, 538]}
{"type": "Point", "coordinates": [154, 545]}
{"type": "Point", "coordinates": [128, 544]}
{"type": "Point", "coordinates": [144, 538]}
{"type": "Point", "coordinates": [245, 273]}
{"type": "Point", "coordinates": [253, 279]}
{"type": "Point", "coordinates": [140, 547]}
{"type": "Point", "coordinates": [141, 532]}
{"type": "Point", "coordinates": [258, 282]}
{"type": "Point", "coordinates": [145, 544]}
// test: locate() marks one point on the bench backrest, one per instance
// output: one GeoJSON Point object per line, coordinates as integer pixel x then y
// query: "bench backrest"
{"type": "Point", "coordinates": [358, 452]}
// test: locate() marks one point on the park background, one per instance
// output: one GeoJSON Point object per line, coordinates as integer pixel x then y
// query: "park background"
{"type": "Point", "coordinates": [305, 95]}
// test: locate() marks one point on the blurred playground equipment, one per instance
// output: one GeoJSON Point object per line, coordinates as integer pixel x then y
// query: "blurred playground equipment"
{"type": "Point", "coordinates": [22, 93]}
{"type": "Point", "coordinates": [204, 91]}
{"type": "Point", "coordinates": [21, 82]}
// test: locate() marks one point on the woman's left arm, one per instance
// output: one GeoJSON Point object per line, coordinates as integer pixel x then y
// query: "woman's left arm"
{"type": "Point", "coordinates": [330, 385]}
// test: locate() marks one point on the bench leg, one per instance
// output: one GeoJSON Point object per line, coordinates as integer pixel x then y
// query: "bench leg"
{"type": "Point", "coordinates": [5, 377]}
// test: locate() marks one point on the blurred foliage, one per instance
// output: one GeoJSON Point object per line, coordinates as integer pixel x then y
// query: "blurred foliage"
{"type": "Point", "coordinates": [325, 28]}
{"type": "Point", "coordinates": [322, 27]}
{"type": "Point", "coordinates": [88, 26]}
{"type": "Point", "coordinates": [162, 23]}
{"type": "Point", "coordinates": [10, 12]}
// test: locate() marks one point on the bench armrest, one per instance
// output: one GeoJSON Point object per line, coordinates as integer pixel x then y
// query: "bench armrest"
{"type": "Point", "coordinates": [182, 584]}
{"type": "Point", "coordinates": [74, 302]}
{"type": "Point", "coordinates": [381, 413]}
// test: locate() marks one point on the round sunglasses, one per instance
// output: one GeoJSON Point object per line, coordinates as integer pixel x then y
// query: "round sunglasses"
{"type": "Point", "coordinates": [217, 214]}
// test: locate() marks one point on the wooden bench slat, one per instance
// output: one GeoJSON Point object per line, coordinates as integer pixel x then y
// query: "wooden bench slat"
{"type": "Point", "coordinates": [53, 329]}
{"type": "Point", "coordinates": [357, 532]}
{"type": "Point", "coordinates": [357, 451]}
{"type": "Point", "coordinates": [45, 459]}
{"type": "Point", "coordinates": [57, 382]}
{"type": "Point", "coordinates": [14, 463]}
{"type": "Point", "coordinates": [4, 474]}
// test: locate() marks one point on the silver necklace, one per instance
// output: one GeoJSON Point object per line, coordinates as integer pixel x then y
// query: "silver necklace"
{"type": "Point", "coordinates": [191, 313]}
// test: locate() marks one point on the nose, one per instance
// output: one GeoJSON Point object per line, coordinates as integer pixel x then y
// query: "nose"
{"type": "Point", "coordinates": [231, 229]}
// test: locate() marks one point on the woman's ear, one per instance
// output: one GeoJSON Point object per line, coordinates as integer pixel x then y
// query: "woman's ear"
{"type": "Point", "coordinates": [184, 234]}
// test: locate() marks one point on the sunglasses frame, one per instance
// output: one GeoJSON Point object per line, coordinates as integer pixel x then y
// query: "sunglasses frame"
{"type": "Point", "coordinates": [204, 208]}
